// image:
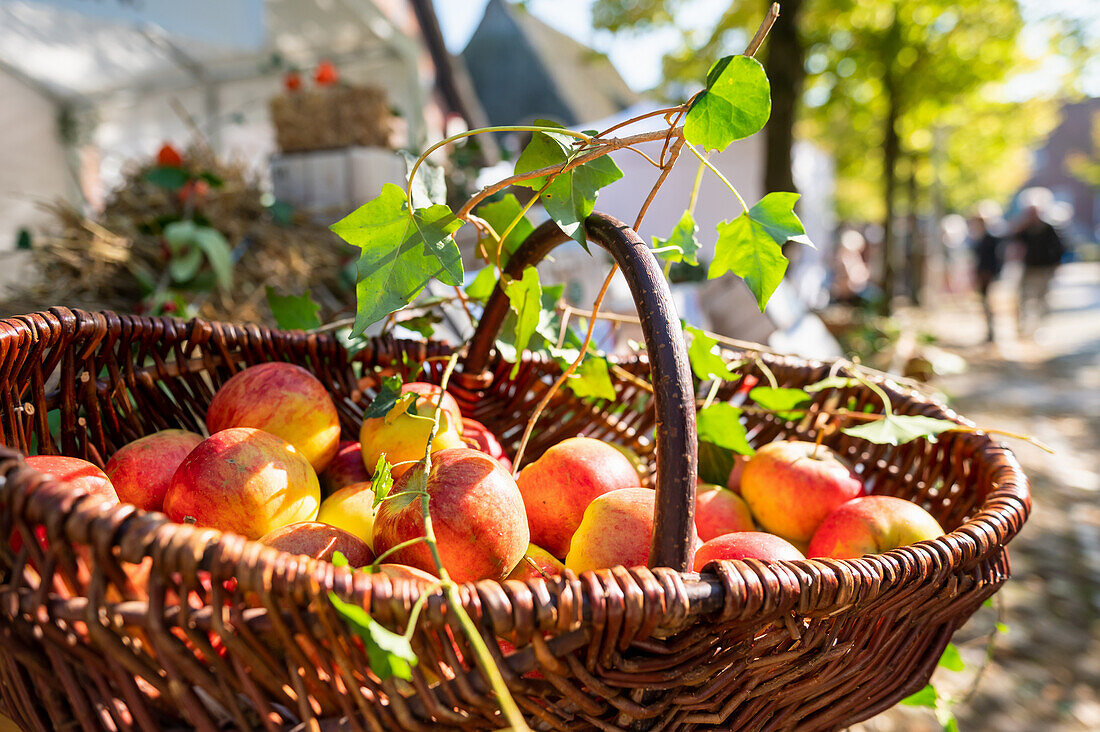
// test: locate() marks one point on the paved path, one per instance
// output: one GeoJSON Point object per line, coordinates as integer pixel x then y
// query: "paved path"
{"type": "Point", "coordinates": [1045, 676]}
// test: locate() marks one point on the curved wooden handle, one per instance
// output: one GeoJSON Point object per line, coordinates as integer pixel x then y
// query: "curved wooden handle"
{"type": "Point", "coordinates": [673, 390]}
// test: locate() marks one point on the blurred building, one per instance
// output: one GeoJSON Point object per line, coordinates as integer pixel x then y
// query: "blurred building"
{"type": "Point", "coordinates": [1074, 139]}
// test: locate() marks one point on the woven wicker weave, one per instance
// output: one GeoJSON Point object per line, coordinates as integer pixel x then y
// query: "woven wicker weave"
{"type": "Point", "coordinates": [115, 619]}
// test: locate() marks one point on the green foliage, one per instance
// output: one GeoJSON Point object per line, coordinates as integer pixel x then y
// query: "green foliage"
{"type": "Point", "coordinates": [735, 104]}
{"type": "Point", "coordinates": [681, 245]}
{"type": "Point", "coordinates": [422, 324]}
{"type": "Point", "coordinates": [382, 481]}
{"type": "Point", "coordinates": [293, 312]}
{"type": "Point", "coordinates": [720, 424]}
{"type": "Point", "coordinates": [951, 660]}
{"type": "Point", "coordinates": [387, 397]}
{"type": "Point", "coordinates": [571, 197]}
{"type": "Point", "coordinates": [500, 215]}
{"type": "Point", "coordinates": [168, 177]}
{"type": "Point", "coordinates": [429, 188]}
{"type": "Point", "coordinates": [525, 300]}
{"type": "Point", "coordinates": [482, 286]}
{"type": "Point", "coordinates": [592, 379]}
{"type": "Point", "coordinates": [706, 362]}
{"type": "Point", "coordinates": [192, 244]}
{"type": "Point", "coordinates": [926, 697]}
{"type": "Point", "coordinates": [400, 251]}
{"type": "Point", "coordinates": [897, 429]}
{"type": "Point", "coordinates": [750, 246]}
{"type": "Point", "coordinates": [389, 654]}
{"type": "Point", "coordinates": [715, 463]}
{"type": "Point", "coordinates": [781, 400]}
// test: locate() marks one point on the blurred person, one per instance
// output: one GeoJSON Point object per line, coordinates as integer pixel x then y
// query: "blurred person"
{"type": "Point", "coordinates": [852, 276]}
{"type": "Point", "coordinates": [988, 257]}
{"type": "Point", "coordinates": [1042, 251]}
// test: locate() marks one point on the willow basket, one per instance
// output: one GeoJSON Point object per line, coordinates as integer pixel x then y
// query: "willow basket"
{"type": "Point", "coordinates": [116, 619]}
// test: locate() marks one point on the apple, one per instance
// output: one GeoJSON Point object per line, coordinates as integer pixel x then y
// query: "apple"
{"type": "Point", "coordinates": [319, 541]}
{"type": "Point", "coordinates": [617, 528]}
{"type": "Point", "coordinates": [745, 545]}
{"type": "Point", "coordinates": [405, 572]}
{"type": "Point", "coordinates": [285, 400]}
{"type": "Point", "coordinates": [477, 515]}
{"type": "Point", "coordinates": [734, 481]}
{"type": "Point", "coordinates": [792, 486]}
{"type": "Point", "coordinates": [479, 437]}
{"type": "Point", "coordinates": [352, 509]}
{"type": "Point", "coordinates": [246, 481]}
{"type": "Point", "coordinates": [142, 470]}
{"type": "Point", "coordinates": [872, 525]}
{"type": "Point", "coordinates": [401, 437]}
{"type": "Point", "coordinates": [536, 563]}
{"type": "Point", "coordinates": [76, 472]}
{"type": "Point", "coordinates": [346, 468]}
{"type": "Point", "coordinates": [431, 391]}
{"type": "Point", "coordinates": [558, 487]}
{"type": "Point", "coordinates": [720, 511]}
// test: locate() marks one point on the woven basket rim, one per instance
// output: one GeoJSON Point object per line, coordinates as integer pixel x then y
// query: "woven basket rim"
{"type": "Point", "coordinates": [995, 522]}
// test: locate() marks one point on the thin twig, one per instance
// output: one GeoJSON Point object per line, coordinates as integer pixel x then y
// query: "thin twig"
{"type": "Point", "coordinates": [762, 31]}
{"type": "Point", "coordinates": [673, 154]}
{"type": "Point", "coordinates": [632, 120]}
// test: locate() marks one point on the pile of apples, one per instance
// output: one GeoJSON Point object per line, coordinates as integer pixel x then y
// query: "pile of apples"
{"type": "Point", "coordinates": [274, 469]}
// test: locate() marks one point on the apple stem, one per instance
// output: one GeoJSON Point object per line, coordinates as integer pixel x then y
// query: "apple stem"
{"type": "Point", "coordinates": [396, 548]}
{"type": "Point", "coordinates": [714, 387]}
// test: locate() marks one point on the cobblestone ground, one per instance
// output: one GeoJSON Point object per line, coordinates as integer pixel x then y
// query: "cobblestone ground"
{"type": "Point", "coordinates": [1045, 674]}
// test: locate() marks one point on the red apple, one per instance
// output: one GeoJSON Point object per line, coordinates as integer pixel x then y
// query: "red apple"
{"type": "Point", "coordinates": [352, 509]}
{"type": "Point", "coordinates": [142, 470]}
{"type": "Point", "coordinates": [319, 541]}
{"type": "Point", "coordinates": [734, 481]}
{"type": "Point", "coordinates": [477, 515]}
{"type": "Point", "coordinates": [77, 473]}
{"type": "Point", "coordinates": [479, 437]}
{"type": "Point", "coordinates": [285, 400]}
{"type": "Point", "coordinates": [617, 528]}
{"type": "Point", "coordinates": [872, 525]}
{"type": "Point", "coordinates": [558, 487]}
{"type": "Point", "coordinates": [346, 468]}
{"type": "Point", "coordinates": [745, 545]}
{"type": "Point", "coordinates": [792, 486]}
{"type": "Point", "coordinates": [720, 511]}
{"type": "Point", "coordinates": [246, 481]}
{"type": "Point", "coordinates": [402, 437]}
{"type": "Point", "coordinates": [536, 563]}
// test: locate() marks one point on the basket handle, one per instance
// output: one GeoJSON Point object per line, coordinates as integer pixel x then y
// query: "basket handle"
{"type": "Point", "coordinates": [673, 390]}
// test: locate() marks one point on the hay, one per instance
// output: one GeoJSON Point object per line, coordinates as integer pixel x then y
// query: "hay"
{"type": "Point", "coordinates": [332, 117]}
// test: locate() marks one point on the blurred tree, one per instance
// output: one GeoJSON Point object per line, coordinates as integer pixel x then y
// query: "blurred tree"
{"type": "Point", "coordinates": [885, 80]}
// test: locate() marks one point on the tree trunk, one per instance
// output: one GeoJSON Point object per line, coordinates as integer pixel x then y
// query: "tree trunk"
{"type": "Point", "coordinates": [785, 70]}
{"type": "Point", "coordinates": [890, 150]}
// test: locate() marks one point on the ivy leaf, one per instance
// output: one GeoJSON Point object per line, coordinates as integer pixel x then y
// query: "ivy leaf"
{"type": "Point", "coordinates": [683, 238]}
{"type": "Point", "coordinates": [388, 394]}
{"type": "Point", "coordinates": [482, 286]}
{"type": "Point", "coordinates": [389, 654]}
{"type": "Point", "coordinates": [166, 176]}
{"type": "Point", "coordinates": [500, 214]}
{"type": "Point", "coordinates": [898, 429]}
{"type": "Point", "coordinates": [400, 251]}
{"type": "Point", "coordinates": [926, 697]}
{"type": "Point", "coordinates": [951, 659]}
{"type": "Point", "coordinates": [780, 400]}
{"type": "Point", "coordinates": [592, 379]}
{"type": "Point", "coordinates": [422, 324]}
{"type": "Point", "coordinates": [293, 312]}
{"type": "Point", "coordinates": [715, 463]}
{"type": "Point", "coordinates": [382, 481]}
{"type": "Point", "coordinates": [430, 186]}
{"type": "Point", "coordinates": [525, 300]}
{"type": "Point", "coordinates": [210, 242]}
{"type": "Point", "coordinates": [735, 104]}
{"type": "Point", "coordinates": [751, 245]}
{"type": "Point", "coordinates": [570, 198]}
{"type": "Point", "coordinates": [831, 382]}
{"type": "Point", "coordinates": [721, 424]}
{"type": "Point", "coordinates": [705, 363]}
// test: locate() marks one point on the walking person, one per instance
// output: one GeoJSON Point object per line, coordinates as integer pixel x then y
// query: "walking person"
{"type": "Point", "coordinates": [988, 258]}
{"type": "Point", "coordinates": [1042, 252]}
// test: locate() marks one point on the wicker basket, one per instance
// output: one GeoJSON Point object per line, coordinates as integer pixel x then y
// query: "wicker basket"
{"type": "Point", "coordinates": [116, 619]}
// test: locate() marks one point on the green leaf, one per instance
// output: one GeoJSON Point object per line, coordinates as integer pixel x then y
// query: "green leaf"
{"type": "Point", "coordinates": [166, 176]}
{"type": "Point", "coordinates": [592, 379]}
{"type": "Point", "coordinates": [282, 213]}
{"type": "Point", "coordinates": [500, 214]}
{"type": "Point", "coordinates": [715, 463]}
{"type": "Point", "coordinates": [950, 724]}
{"type": "Point", "coordinates": [721, 424]}
{"type": "Point", "coordinates": [926, 697]}
{"type": "Point", "coordinates": [705, 363]}
{"type": "Point", "coordinates": [525, 300]}
{"type": "Point", "coordinates": [293, 312]}
{"type": "Point", "coordinates": [422, 324]}
{"type": "Point", "coordinates": [339, 560]}
{"type": "Point", "coordinates": [389, 654]}
{"type": "Point", "coordinates": [570, 198]}
{"type": "Point", "coordinates": [383, 479]}
{"type": "Point", "coordinates": [896, 429]}
{"type": "Point", "coordinates": [951, 659]}
{"type": "Point", "coordinates": [400, 251]}
{"type": "Point", "coordinates": [831, 382]}
{"type": "Point", "coordinates": [780, 400]}
{"type": "Point", "coordinates": [211, 245]}
{"type": "Point", "coordinates": [751, 245]}
{"type": "Point", "coordinates": [736, 104]}
{"type": "Point", "coordinates": [388, 394]}
{"type": "Point", "coordinates": [482, 286]}
{"type": "Point", "coordinates": [213, 179]}
{"type": "Point", "coordinates": [684, 241]}
{"type": "Point", "coordinates": [1001, 628]}
{"type": "Point", "coordinates": [218, 253]}
{"type": "Point", "coordinates": [430, 185]}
